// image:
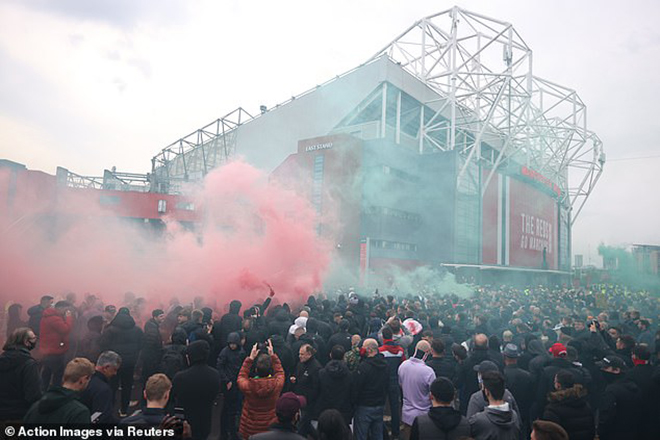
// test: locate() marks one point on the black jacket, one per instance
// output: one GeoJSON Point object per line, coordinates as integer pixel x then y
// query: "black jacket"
{"type": "Point", "coordinates": [307, 381]}
{"type": "Point", "coordinates": [467, 377]}
{"type": "Point", "coordinates": [540, 358]}
{"type": "Point", "coordinates": [620, 410]}
{"type": "Point", "coordinates": [569, 409]}
{"type": "Point", "coordinates": [90, 346]}
{"type": "Point", "coordinates": [124, 338]}
{"type": "Point", "coordinates": [35, 313]}
{"type": "Point", "coordinates": [546, 380]}
{"type": "Point", "coordinates": [278, 431]}
{"type": "Point", "coordinates": [280, 324]}
{"type": "Point", "coordinates": [19, 383]}
{"type": "Point", "coordinates": [196, 331]}
{"type": "Point", "coordinates": [153, 343]}
{"type": "Point", "coordinates": [336, 389]}
{"type": "Point", "coordinates": [441, 423]}
{"type": "Point", "coordinates": [173, 360]}
{"type": "Point", "coordinates": [97, 397]}
{"type": "Point", "coordinates": [230, 361]}
{"type": "Point", "coordinates": [146, 417]}
{"type": "Point", "coordinates": [444, 366]}
{"type": "Point", "coordinates": [626, 355]}
{"type": "Point", "coordinates": [230, 322]}
{"type": "Point", "coordinates": [59, 406]}
{"type": "Point", "coordinates": [343, 339]}
{"type": "Point", "coordinates": [642, 375]}
{"type": "Point", "coordinates": [195, 389]}
{"type": "Point", "coordinates": [521, 384]}
{"type": "Point", "coordinates": [371, 381]}
{"type": "Point", "coordinates": [285, 355]}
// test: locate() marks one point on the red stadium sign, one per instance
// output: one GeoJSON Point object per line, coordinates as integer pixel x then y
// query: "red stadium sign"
{"type": "Point", "coordinates": [519, 225]}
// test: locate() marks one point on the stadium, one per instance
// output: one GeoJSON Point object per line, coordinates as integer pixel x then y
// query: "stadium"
{"type": "Point", "coordinates": [443, 149]}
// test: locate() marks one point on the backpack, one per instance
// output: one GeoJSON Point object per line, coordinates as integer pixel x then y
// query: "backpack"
{"type": "Point", "coordinates": [173, 360]}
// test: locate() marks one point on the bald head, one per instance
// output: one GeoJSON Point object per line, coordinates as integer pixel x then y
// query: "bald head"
{"type": "Point", "coordinates": [371, 347]}
{"type": "Point", "coordinates": [304, 314]}
{"type": "Point", "coordinates": [422, 349]}
{"type": "Point", "coordinates": [481, 340]}
{"type": "Point", "coordinates": [423, 346]}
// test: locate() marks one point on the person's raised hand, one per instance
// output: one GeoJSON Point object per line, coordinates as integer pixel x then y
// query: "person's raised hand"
{"type": "Point", "coordinates": [270, 347]}
{"type": "Point", "coordinates": [254, 352]}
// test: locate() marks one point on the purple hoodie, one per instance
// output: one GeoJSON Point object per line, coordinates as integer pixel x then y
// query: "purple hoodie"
{"type": "Point", "coordinates": [415, 378]}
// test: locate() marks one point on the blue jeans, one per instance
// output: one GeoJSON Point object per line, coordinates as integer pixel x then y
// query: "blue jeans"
{"type": "Point", "coordinates": [368, 422]}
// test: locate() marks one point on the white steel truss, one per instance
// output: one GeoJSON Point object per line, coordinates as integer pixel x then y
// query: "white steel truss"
{"type": "Point", "coordinates": [482, 69]}
{"type": "Point", "coordinates": [194, 155]}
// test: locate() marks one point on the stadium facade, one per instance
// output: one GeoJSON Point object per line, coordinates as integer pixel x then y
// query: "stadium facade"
{"type": "Point", "coordinates": [443, 149]}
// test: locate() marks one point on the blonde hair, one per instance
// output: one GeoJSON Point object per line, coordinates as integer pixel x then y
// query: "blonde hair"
{"type": "Point", "coordinates": [76, 369]}
{"type": "Point", "coordinates": [156, 386]}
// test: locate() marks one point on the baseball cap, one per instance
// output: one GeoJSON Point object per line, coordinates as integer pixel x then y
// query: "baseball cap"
{"type": "Point", "coordinates": [485, 366]}
{"type": "Point", "coordinates": [289, 404]}
{"type": "Point", "coordinates": [612, 361]}
{"type": "Point", "coordinates": [558, 350]}
{"type": "Point", "coordinates": [511, 351]}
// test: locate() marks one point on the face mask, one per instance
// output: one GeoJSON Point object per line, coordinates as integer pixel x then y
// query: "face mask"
{"type": "Point", "coordinates": [30, 345]}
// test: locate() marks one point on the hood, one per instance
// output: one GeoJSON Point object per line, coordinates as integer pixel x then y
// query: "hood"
{"type": "Point", "coordinates": [337, 369]}
{"type": "Point", "coordinates": [282, 316]}
{"type": "Point", "coordinates": [277, 340]}
{"type": "Point", "coordinates": [52, 311]}
{"type": "Point", "coordinates": [445, 418]}
{"type": "Point", "coordinates": [95, 324]}
{"type": "Point", "coordinates": [312, 325]}
{"type": "Point", "coordinates": [55, 398]}
{"type": "Point", "coordinates": [499, 417]}
{"type": "Point", "coordinates": [377, 361]}
{"type": "Point", "coordinates": [123, 321]}
{"type": "Point", "coordinates": [571, 396]}
{"type": "Point", "coordinates": [13, 357]}
{"type": "Point", "coordinates": [535, 347]}
{"type": "Point", "coordinates": [14, 311]}
{"type": "Point", "coordinates": [234, 338]}
{"type": "Point", "coordinates": [235, 307]}
{"type": "Point", "coordinates": [179, 336]}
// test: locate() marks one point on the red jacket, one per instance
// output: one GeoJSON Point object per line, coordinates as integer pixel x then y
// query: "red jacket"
{"type": "Point", "coordinates": [54, 332]}
{"type": "Point", "coordinates": [260, 398]}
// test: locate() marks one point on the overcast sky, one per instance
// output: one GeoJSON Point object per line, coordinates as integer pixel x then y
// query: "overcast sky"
{"type": "Point", "coordinates": [93, 84]}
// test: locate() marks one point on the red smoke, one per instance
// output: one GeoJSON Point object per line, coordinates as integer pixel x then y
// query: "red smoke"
{"type": "Point", "coordinates": [251, 233]}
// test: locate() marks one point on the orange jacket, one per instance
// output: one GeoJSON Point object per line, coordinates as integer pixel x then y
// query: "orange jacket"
{"type": "Point", "coordinates": [260, 397]}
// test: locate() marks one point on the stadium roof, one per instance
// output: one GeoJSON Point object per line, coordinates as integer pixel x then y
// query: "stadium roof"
{"type": "Point", "coordinates": [455, 80]}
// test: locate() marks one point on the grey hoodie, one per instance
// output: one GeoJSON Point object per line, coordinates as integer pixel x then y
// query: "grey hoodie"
{"type": "Point", "coordinates": [478, 403]}
{"type": "Point", "coordinates": [495, 424]}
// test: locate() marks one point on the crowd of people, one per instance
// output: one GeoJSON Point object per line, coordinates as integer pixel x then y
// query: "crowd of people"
{"type": "Point", "coordinates": [503, 363]}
